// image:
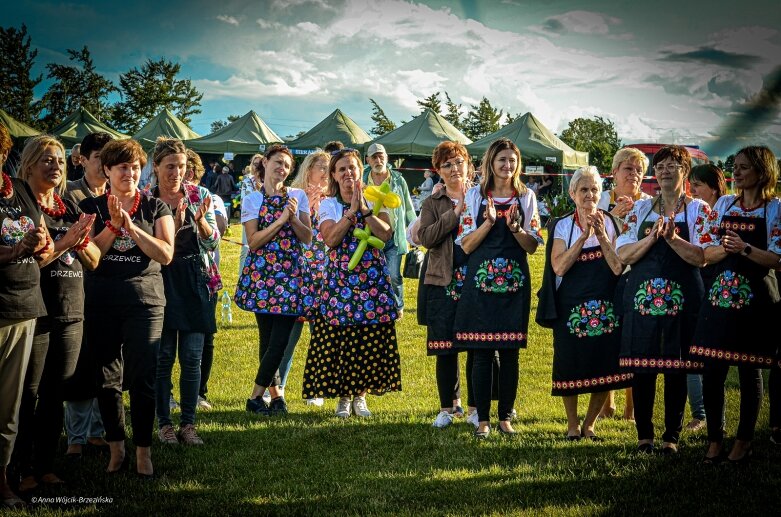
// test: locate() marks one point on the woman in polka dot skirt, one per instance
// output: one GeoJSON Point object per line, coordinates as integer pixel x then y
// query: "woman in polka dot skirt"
{"type": "Point", "coordinates": [353, 350]}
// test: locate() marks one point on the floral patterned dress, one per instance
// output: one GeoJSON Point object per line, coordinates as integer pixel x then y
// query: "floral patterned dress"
{"type": "Point", "coordinates": [738, 302]}
{"type": "Point", "coordinates": [316, 258]}
{"type": "Point", "coordinates": [586, 335]}
{"type": "Point", "coordinates": [271, 280]}
{"type": "Point", "coordinates": [661, 300]}
{"type": "Point", "coordinates": [353, 347]}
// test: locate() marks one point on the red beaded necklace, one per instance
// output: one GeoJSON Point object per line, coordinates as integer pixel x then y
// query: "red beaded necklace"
{"type": "Point", "coordinates": [51, 212]}
{"type": "Point", "coordinates": [8, 187]}
{"type": "Point", "coordinates": [751, 209]}
{"type": "Point", "coordinates": [135, 203]}
{"type": "Point", "coordinates": [577, 220]}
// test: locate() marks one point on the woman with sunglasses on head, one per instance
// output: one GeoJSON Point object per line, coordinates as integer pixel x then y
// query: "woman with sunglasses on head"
{"type": "Point", "coordinates": [57, 340]}
{"type": "Point", "coordinates": [276, 222]}
{"type": "Point", "coordinates": [125, 299]}
{"type": "Point", "coordinates": [493, 311]}
{"type": "Point", "coordinates": [742, 238]}
{"type": "Point", "coordinates": [662, 296]}
{"type": "Point", "coordinates": [189, 290]}
{"type": "Point", "coordinates": [353, 349]}
{"type": "Point", "coordinates": [443, 276]}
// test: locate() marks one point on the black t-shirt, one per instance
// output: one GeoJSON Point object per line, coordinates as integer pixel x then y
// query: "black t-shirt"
{"type": "Point", "coordinates": [20, 294]}
{"type": "Point", "coordinates": [125, 275]}
{"type": "Point", "coordinates": [62, 281]}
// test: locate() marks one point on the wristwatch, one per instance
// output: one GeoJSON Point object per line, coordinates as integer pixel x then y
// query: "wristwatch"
{"type": "Point", "coordinates": [746, 251]}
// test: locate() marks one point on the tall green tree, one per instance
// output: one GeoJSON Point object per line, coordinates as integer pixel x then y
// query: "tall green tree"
{"type": "Point", "coordinates": [729, 164]}
{"type": "Point", "coordinates": [74, 87]}
{"type": "Point", "coordinates": [382, 124]}
{"type": "Point", "coordinates": [150, 89]}
{"type": "Point", "coordinates": [597, 136]}
{"type": "Point", "coordinates": [16, 61]}
{"type": "Point", "coordinates": [453, 112]}
{"type": "Point", "coordinates": [431, 102]}
{"type": "Point", "coordinates": [219, 124]}
{"type": "Point", "coordinates": [481, 120]}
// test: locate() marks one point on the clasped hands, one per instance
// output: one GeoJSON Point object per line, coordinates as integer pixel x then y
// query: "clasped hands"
{"type": "Point", "coordinates": [664, 227]}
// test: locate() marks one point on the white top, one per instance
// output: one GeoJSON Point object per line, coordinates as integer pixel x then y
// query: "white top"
{"type": "Point", "coordinates": [604, 199]}
{"type": "Point", "coordinates": [562, 233]}
{"type": "Point", "coordinates": [331, 209]}
{"type": "Point", "coordinates": [474, 202]}
{"type": "Point", "coordinates": [709, 235]}
{"type": "Point", "coordinates": [250, 205]}
{"type": "Point", "coordinates": [412, 239]}
{"type": "Point", "coordinates": [696, 212]}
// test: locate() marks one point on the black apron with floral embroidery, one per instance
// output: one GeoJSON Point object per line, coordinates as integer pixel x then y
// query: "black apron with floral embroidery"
{"type": "Point", "coordinates": [586, 335]}
{"type": "Point", "coordinates": [738, 305]}
{"type": "Point", "coordinates": [493, 312]}
{"type": "Point", "coordinates": [661, 303]}
{"type": "Point", "coordinates": [440, 307]}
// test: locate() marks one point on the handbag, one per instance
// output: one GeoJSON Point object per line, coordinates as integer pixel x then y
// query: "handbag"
{"type": "Point", "coordinates": [413, 263]}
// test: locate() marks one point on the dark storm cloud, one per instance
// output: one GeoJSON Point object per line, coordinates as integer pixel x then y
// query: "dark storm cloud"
{"type": "Point", "coordinates": [712, 56]}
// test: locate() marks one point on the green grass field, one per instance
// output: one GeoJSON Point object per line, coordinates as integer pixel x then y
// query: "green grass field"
{"type": "Point", "coordinates": [396, 463]}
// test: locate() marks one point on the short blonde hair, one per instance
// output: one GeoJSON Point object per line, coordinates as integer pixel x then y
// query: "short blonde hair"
{"type": "Point", "coordinates": [629, 153]}
{"type": "Point", "coordinates": [302, 176]}
{"type": "Point", "coordinates": [32, 152]}
{"type": "Point", "coordinates": [588, 171]}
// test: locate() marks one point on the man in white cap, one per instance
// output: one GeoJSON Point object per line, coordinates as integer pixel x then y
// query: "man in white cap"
{"type": "Point", "coordinates": [375, 173]}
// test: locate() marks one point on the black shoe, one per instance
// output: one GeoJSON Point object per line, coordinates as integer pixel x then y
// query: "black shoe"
{"type": "Point", "coordinates": [482, 435]}
{"type": "Point", "coordinates": [646, 448]}
{"type": "Point", "coordinates": [257, 406]}
{"type": "Point", "coordinates": [573, 437]}
{"type": "Point", "coordinates": [743, 459]}
{"type": "Point", "coordinates": [669, 450]}
{"type": "Point", "coordinates": [277, 406]}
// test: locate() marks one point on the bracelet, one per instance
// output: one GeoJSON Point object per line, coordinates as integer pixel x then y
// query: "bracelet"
{"type": "Point", "coordinates": [83, 245]}
{"type": "Point", "coordinates": [350, 216]}
{"type": "Point", "coordinates": [113, 229]}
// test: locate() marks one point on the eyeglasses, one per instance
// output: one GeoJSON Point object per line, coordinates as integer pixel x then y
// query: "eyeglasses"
{"type": "Point", "coordinates": [669, 167]}
{"type": "Point", "coordinates": [450, 165]}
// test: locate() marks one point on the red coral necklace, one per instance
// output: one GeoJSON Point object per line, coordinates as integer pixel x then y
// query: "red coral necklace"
{"type": "Point", "coordinates": [52, 212]}
{"type": "Point", "coordinates": [135, 203]}
{"type": "Point", "coordinates": [8, 187]}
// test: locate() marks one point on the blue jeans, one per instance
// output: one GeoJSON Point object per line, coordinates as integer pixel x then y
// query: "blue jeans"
{"type": "Point", "coordinates": [393, 258]}
{"type": "Point", "coordinates": [190, 351]}
{"type": "Point", "coordinates": [694, 385]}
{"type": "Point", "coordinates": [82, 421]}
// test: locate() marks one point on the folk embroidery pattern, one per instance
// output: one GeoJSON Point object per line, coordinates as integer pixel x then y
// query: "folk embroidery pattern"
{"type": "Point", "coordinates": [730, 290]}
{"type": "Point", "coordinates": [659, 297]}
{"type": "Point", "coordinates": [499, 276]}
{"type": "Point", "coordinates": [453, 289]}
{"type": "Point", "coordinates": [593, 318]}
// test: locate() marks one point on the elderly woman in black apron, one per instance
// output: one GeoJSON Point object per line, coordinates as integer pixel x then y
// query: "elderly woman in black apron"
{"type": "Point", "coordinates": [742, 238]}
{"type": "Point", "coordinates": [493, 312]}
{"type": "Point", "coordinates": [443, 278]}
{"type": "Point", "coordinates": [662, 296]}
{"type": "Point", "coordinates": [189, 313]}
{"type": "Point", "coordinates": [586, 336]}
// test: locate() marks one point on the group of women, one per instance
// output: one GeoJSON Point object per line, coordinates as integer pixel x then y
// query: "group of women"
{"type": "Point", "coordinates": [634, 286]}
{"type": "Point", "coordinates": [122, 277]}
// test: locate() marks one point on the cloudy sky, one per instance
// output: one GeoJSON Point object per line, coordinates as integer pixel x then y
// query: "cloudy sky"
{"type": "Point", "coordinates": [667, 71]}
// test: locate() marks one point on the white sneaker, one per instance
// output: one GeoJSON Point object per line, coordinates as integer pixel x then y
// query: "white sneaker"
{"type": "Point", "coordinates": [443, 420]}
{"type": "Point", "coordinates": [473, 419]}
{"type": "Point", "coordinates": [203, 403]}
{"type": "Point", "coordinates": [360, 408]}
{"type": "Point", "coordinates": [315, 402]}
{"type": "Point", "coordinates": [343, 407]}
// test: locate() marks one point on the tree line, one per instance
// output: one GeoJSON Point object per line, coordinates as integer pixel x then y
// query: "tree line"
{"type": "Point", "coordinates": [146, 90]}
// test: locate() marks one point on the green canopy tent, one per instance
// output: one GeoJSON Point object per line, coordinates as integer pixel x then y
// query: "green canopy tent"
{"type": "Point", "coordinates": [420, 136]}
{"type": "Point", "coordinates": [79, 124]}
{"type": "Point", "coordinates": [336, 126]}
{"type": "Point", "coordinates": [535, 141]}
{"type": "Point", "coordinates": [15, 128]}
{"type": "Point", "coordinates": [165, 124]}
{"type": "Point", "coordinates": [243, 136]}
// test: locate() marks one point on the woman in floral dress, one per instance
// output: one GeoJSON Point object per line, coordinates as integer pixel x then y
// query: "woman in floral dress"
{"type": "Point", "coordinates": [276, 222]}
{"type": "Point", "coordinates": [353, 349]}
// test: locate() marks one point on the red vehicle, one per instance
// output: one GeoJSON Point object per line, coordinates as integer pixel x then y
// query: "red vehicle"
{"type": "Point", "coordinates": [650, 186]}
